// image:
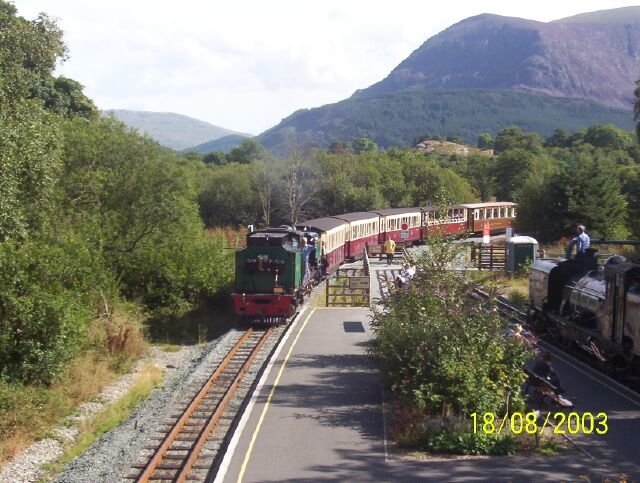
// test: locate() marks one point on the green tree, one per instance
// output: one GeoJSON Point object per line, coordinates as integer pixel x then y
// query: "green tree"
{"type": "Point", "coordinates": [584, 191]}
{"type": "Point", "coordinates": [485, 141]}
{"type": "Point", "coordinates": [29, 138]}
{"type": "Point", "coordinates": [362, 145]}
{"type": "Point", "coordinates": [64, 96]}
{"type": "Point", "coordinates": [559, 139]}
{"type": "Point", "coordinates": [512, 168]}
{"type": "Point", "coordinates": [515, 138]}
{"type": "Point", "coordinates": [216, 158]}
{"type": "Point", "coordinates": [246, 152]}
{"type": "Point", "coordinates": [609, 137]}
{"type": "Point", "coordinates": [636, 108]}
{"type": "Point", "coordinates": [229, 197]}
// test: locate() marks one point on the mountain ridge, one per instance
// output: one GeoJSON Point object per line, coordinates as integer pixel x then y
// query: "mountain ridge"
{"type": "Point", "coordinates": [172, 130]}
{"type": "Point", "coordinates": [569, 73]}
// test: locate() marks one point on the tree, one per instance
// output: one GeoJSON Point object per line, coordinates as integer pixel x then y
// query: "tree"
{"type": "Point", "coordinates": [339, 147]}
{"type": "Point", "coordinates": [485, 141]}
{"type": "Point", "coordinates": [443, 355]}
{"type": "Point", "coordinates": [513, 137]}
{"type": "Point", "coordinates": [609, 137]}
{"type": "Point", "coordinates": [246, 152]}
{"type": "Point", "coordinates": [362, 145]}
{"type": "Point", "coordinates": [230, 197]}
{"type": "Point", "coordinates": [584, 191]}
{"type": "Point", "coordinates": [64, 96]}
{"type": "Point", "coordinates": [512, 169]}
{"type": "Point", "coordinates": [559, 139]}
{"type": "Point", "coordinates": [29, 137]}
{"type": "Point", "coordinates": [301, 184]}
{"type": "Point", "coordinates": [264, 183]}
{"type": "Point", "coordinates": [216, 158]}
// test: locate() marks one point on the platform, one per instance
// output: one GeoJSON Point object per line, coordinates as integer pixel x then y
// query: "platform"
{"type": "Point", "coordinates": [318, 416]}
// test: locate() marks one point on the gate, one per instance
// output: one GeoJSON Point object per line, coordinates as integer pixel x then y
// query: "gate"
{"type": "Point", "coordinates": [489, 257]}
{"type": "Point", "coordinates": [350, 287]}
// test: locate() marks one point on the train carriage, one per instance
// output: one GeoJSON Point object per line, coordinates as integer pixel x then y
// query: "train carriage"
{"type": "Point", "coordinates": [451, 222]}
{"type": "Point", "coordinates": [332, 236]}
{"type": "Point", "coordinates": [393, 219]}
{"type": "Point", "coordinates": [497, 215]}
{"type": "Point", "coordinates": [362, 228]}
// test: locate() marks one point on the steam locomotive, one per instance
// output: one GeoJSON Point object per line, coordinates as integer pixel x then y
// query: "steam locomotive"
{"type": "Point", "coordinates": [596, 309]}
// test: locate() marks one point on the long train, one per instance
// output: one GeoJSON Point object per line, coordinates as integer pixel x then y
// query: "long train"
{"type": "Point", "coordinates": [593, 309]}
{"type": "Point", "coordinates": [279, 265]}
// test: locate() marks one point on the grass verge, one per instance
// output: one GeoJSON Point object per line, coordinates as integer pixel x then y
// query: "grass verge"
{"type": "Point", "coordinates": [149, 378]}
{"type": "Point", "coordinates": [28, 413]}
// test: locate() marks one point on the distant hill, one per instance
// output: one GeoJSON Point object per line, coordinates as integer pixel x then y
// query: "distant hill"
{"type": "Point", "coordinates": [399, 118]}
{"type": "Point", "coordinates": [489, 72]}
{"type": "Point", "coordinates": [171, 130]}
{"type": "Point", "coordinates": [223, 144]}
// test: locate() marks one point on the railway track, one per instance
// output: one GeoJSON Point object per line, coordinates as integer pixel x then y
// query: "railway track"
{"type": "Point", "coordinates": [516, 316]}
{"type": "Point", "coordinates": [178, 452]}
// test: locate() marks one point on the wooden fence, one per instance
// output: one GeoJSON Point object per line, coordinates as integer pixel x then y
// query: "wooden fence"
{"type": "Point", "coordinates": [489, 257]}
{"type": "Point", "coordinates": [350, 287]}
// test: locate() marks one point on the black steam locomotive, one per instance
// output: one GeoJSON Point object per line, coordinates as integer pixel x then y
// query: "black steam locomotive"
{"type": "Point", "coordinates": [596, 309]}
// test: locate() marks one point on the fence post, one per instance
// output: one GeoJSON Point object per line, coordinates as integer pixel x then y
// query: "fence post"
{"type": "Point", "coordinates": [327, 293]}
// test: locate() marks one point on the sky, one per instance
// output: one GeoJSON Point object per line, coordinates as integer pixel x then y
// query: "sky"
{"type": "Point", "coordinates": [247, 64]}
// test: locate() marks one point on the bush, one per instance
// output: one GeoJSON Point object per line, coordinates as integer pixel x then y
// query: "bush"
{"type": "Point", "coordinates": [49, 291]}
{"type": "Point", "coordinates": [442, 352]}
{"type": "Point", "coordinates": [472, 444]}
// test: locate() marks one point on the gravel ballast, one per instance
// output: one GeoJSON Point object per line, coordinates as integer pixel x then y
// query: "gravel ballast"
{"type": "Point", "coordinates": [110, 458]}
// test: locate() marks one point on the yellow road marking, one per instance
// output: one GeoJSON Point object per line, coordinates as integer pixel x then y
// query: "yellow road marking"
{"type": "Point", "coordinates": [266, 406]}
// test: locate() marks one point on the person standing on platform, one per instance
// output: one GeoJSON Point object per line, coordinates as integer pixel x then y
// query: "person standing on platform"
{"type": "Point", "coordinates": [389, 249]}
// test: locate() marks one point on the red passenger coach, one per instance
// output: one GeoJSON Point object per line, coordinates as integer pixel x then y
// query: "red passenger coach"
{"type": "Point", "coordinates": [400, 225]}
{"type": "Point", "coordinates": [498, 215]}
{"type": "Point", "coordinates": [453, 222]}
{"type": "Point", "coordinates": [332, 234]}
{"type": "Point", "coordinates": [363, 228]}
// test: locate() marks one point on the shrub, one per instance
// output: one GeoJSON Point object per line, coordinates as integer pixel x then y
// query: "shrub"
{"type": "Point", "coordinates": [49, 290]}
{"type": "Point", "coordinates": [472, 444]}
{"type": "Point", "coordinates": [441, 351]}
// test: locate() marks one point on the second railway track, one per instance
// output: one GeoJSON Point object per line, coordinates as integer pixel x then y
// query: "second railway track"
{"type": "Point", "coordinates": [514, 315]}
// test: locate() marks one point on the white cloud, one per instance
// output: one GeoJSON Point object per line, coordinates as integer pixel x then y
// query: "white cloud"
{"type": "Point", "coordinates": [247, 64]}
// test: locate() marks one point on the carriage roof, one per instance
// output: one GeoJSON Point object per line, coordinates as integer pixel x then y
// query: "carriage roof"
{"type": "Point", "coordinates": [320, 224]}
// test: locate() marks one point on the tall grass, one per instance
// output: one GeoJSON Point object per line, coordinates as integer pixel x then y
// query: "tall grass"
{"type": "Point", "coordinates": [27, 413]}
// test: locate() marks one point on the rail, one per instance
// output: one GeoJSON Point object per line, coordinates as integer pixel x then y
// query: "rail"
{"type": "Point", "coordinates": [197, 421]}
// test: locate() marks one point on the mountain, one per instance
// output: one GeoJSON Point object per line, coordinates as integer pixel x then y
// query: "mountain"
{"type": "Point", "coordinates": [223, 144]}
{"type": "Point", "coordinates": [171, 130]}
{"type": "Point", "coordinates": [589, 56]}
{"type": "Point", "coordinates": [400, 118]}
{"type": "Point", "coordinates": [486, 73]}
